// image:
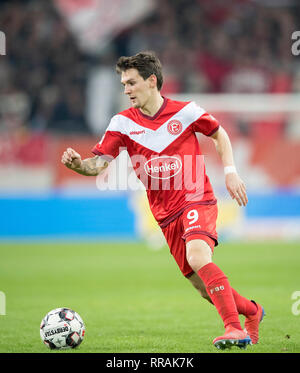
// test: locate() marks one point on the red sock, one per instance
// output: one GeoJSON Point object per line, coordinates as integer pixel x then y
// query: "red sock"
{"type": "Point", "coordinates": [244, 305]}
{"type": "Point", "coordinates": [219, 290]}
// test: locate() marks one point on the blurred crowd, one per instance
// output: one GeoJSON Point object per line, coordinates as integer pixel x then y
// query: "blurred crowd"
{"type": "Point", "coordinates": [206, 46]}
{"type": "Point", "coordinates": [223, 46]}
{"type": "Point", "coordinates": [43, 75]}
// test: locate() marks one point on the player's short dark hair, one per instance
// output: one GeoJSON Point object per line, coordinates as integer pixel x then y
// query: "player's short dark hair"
{"type": "Point", "coordinates": [146, 63]}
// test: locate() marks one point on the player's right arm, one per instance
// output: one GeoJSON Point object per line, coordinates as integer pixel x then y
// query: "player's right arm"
{"type": "Point", "coordinates": [87, 167]}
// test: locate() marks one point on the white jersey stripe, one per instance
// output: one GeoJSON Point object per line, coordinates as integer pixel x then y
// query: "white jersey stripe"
{"type": "Point", "coordinates": [160, 139]}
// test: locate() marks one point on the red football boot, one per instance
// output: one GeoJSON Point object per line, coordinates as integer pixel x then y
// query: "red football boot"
{"type": "Point", "coordinates": [252, 323]}
{"type": "Point", "coordinates": [232, 337]}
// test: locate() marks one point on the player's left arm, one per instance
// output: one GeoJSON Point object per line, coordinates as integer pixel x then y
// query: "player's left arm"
{"type": "Point", "coordinates": [234, 184]}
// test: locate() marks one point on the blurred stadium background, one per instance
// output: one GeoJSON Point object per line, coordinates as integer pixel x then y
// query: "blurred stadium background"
{"type": "Point", "coordinates": [59, 89]}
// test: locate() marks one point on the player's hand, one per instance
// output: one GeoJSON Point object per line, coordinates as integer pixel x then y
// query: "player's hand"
{"type": "Point", "coordinates": [236, 188]}
{"type": "Point", "coordinates": [71, 159]}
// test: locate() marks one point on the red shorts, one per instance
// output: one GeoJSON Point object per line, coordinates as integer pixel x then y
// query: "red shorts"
{"type": "Point", "coordinates": [196, 222]}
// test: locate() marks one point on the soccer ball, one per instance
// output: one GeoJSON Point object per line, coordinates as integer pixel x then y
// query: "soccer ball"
{"type": "Point", "coordinates": [62, 328]}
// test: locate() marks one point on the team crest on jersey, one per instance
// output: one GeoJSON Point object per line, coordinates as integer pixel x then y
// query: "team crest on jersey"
{"type": "Point", "coordinates": [174, 127]}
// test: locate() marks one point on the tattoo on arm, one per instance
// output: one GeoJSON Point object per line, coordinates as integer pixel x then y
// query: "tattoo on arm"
{"type": "Point", "coordinates": [92, 166]}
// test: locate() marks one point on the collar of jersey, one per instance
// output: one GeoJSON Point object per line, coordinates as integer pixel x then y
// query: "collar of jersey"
{"type": "Point", "coordinates": [157, 114]}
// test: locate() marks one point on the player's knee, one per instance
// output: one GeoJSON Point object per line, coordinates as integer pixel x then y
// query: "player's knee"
{"type": "Point", "coordinates": [197, 259]}
{"type": "Point", "coordinates": [198, 254]}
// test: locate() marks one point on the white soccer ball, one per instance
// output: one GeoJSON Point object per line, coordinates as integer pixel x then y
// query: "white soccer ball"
{"type": "Point", "coordinates": [62, 328]}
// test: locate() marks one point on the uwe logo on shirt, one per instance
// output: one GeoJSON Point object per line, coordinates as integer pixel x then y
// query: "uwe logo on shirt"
{"type": "Point", "coordinates": [174, 127]}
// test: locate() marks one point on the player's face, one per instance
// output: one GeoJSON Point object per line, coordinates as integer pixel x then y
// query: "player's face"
{"type": "Point", "coordinates": [137, 89]}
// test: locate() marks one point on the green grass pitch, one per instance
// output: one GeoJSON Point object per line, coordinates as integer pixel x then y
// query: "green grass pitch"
{"type": "Point", "coordinates": [134, 300]}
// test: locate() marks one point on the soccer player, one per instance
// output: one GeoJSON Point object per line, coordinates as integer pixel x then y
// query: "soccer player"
{"type": "Point", "coordinates": [159, 135]}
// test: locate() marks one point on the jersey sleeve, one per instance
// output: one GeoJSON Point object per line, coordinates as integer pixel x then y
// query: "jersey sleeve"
{"type": "Point", "coordinates": [206, 124]}
{"type": "Point", "coordinates": [111, 143]}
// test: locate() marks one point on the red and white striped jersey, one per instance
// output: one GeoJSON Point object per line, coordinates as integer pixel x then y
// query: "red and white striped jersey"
{"type": "Point", "coordinates": [165, 154]}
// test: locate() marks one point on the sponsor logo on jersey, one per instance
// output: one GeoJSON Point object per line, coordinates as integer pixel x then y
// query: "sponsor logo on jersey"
{"type": "Point", "coordinates": [193, 227]}
{"type": "Point", "coordinates": [174, 127]}
{"type": "Point", "coordinates": [163, 167]}
{"type": "Point", "coordinates": [137, 132]}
